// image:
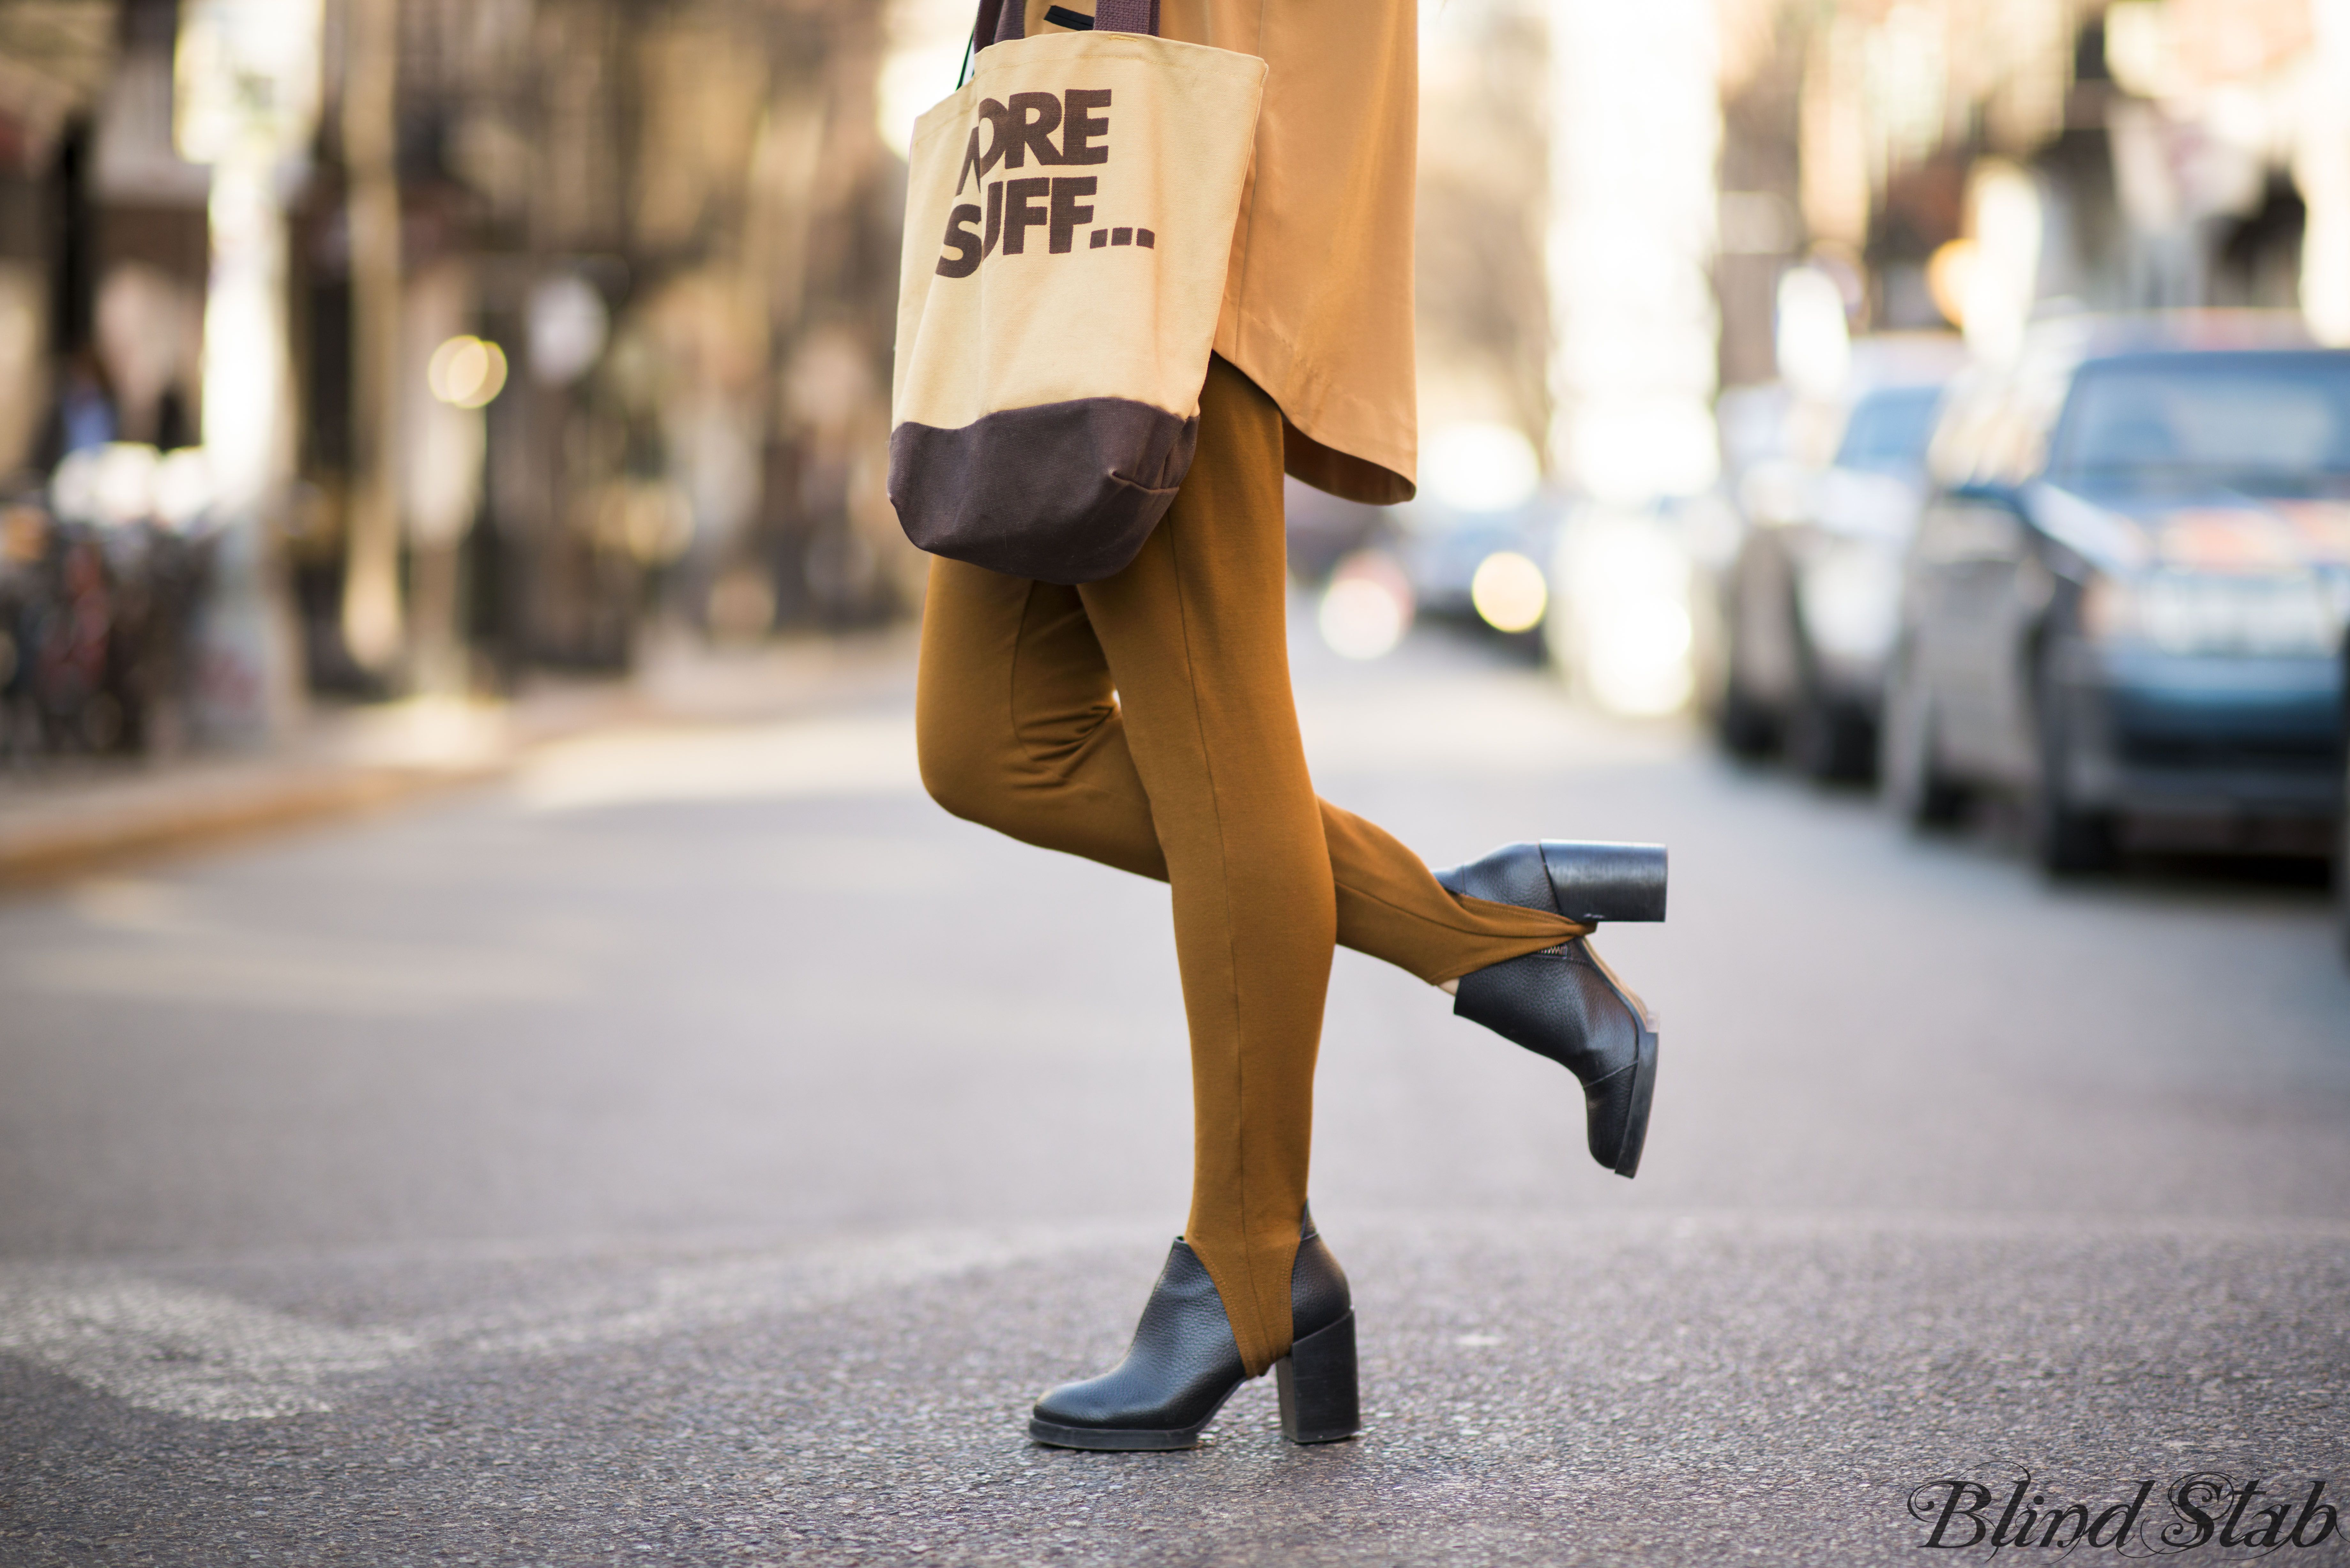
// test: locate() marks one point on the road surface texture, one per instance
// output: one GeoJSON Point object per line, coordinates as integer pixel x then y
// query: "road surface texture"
{"type": "Point", "coordinates": [702, 1149]}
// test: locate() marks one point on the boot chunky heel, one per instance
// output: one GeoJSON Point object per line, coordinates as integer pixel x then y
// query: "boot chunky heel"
{"type": "Point", "coordinates": [1319, 1403]}
{"type": "Point", "coordinates": [1594, 883]}
{"type": "Point", "coordinates": [1589, 883]}
{"type": "Point", "coordinates": [1562, 1002]}
{"type": "Point", "coordinates": [1184, 1363]}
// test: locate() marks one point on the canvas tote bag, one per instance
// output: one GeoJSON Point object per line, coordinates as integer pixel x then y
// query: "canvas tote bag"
{"type": "Point", "coordinates": [1069, 217]}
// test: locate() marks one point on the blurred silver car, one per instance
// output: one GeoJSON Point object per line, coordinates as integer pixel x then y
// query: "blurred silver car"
{"type": "Point", "coordinates": [2127, 595]}
{"type": "Point", "coordinates": [1811, 601]}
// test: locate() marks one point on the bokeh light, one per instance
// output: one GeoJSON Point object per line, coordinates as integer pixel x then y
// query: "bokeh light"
{"type": "Point", "coordinates": [1950, 274]}
{"type": "Point", "coordinates": [1367, 608]}
{"type": "Point", "coordinates": [1509, 592]}
{"type": "Point", "coordinates": [1479, 467]}
{"type": "Point", "coordinates": [1814, 342]}
{"type": "Point", "coordinates": [1623, 631]}
{"type": "Point", "coordinates": [568, 325]}
{"type": "Point", "coordinates": [184, 487]}
{"type": "Point", "coordinates": [1640, 656]}
{"type": "Point", "coordinates": [466, 372]}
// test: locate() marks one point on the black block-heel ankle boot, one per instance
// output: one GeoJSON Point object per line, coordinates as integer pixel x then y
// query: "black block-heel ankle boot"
{"type": "Point", "coordinates": [1562, 1002]}
{"type": "Point", "coordinates": [1184, 1364]}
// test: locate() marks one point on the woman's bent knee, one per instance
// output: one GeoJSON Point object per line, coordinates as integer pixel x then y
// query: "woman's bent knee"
{"type": "Point", "coordinates": [969, 781]}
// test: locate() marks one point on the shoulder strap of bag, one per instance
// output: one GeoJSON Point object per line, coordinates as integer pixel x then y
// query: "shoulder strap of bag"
{"type": "Point", "coordinates": [1001, 21]}
{"type": "Point", "coordinates": [1126, 17]}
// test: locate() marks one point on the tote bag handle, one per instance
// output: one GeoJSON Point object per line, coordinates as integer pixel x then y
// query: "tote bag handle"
{"type": "Point", "coordinates": [1001, 21]}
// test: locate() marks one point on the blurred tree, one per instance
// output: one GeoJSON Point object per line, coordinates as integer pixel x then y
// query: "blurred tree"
{"type": "Point", "coordinates": [370, 602]}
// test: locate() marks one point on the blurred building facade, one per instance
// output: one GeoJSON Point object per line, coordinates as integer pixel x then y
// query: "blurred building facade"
{"type": "Point", "coordinates": [586, 310]}
{"type": "Point", "coordinates": [1972, 164]}
{"type": "Point", "coordinates": [584, 306]}
{"type": "Point", "coordinates": [680, 222]}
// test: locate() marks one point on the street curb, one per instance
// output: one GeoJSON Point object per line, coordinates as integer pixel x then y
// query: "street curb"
{"type": "Point", "coordinates": [73, 830]}
{"type": "Point", "coordinates": [43, 854]}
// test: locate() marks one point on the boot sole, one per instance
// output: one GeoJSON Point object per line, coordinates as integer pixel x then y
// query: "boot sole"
{"type": "Point", "coordinates": [1124, 1439]}
{"type": "Point", "coordinates": [1108, 1440]}
{"type": "Point", "coordinates": [1643, 1087]}
{"type": "Point", "coordinates": [1315, 1382]}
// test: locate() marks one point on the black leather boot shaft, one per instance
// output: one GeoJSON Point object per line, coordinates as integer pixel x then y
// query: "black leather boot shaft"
{"type": "Point", "coordinates": [1514, 874]}
{"type": "Point", "coordinates": [1184, 1362]}
{"type": "Point", "coordinates": [1180, 1367]}
{"type": "Point", "coordinates": [1318, 1294]}
{"type": "Point", "coordinates": [1558, 1003]}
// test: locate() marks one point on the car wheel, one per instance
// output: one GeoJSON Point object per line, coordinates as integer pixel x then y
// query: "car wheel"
{"type": "Point", "coordinates": [1747, 725]}
{"type": "Point", "coordinates": [1829, 740]}
{"type": "Point", "coordinates": [2342, 867]}
{"type": "Point", "coordinates": [1909, 765]}
{"type": "Point", "coordinates": [1744, 726]}
{"type": "Point", "coordinates": [2067, 837]}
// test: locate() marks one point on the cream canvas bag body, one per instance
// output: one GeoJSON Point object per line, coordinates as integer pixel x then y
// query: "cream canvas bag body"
{"type": "Point", "coordinates": [1069, 217]}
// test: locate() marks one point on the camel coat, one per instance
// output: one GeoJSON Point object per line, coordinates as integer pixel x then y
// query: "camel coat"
{"type": "Point", "coordinates": [1317, 302]}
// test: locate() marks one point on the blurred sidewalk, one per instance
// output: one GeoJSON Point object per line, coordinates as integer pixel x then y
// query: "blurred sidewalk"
{"type": "Point", "coordinates": [61, 820]}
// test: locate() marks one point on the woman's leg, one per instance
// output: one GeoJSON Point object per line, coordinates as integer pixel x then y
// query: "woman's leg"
{"type": "Point", "coordinates": [1146, 722]}
{"type": "Point", "coordinates": [1195, 638]}
{"type": "Point", "coordinates": [1390, 906]}
{"type": "Point", "coordinates": [1017, 723]}
{"type": "Point", "coordinates": [1020, 731]}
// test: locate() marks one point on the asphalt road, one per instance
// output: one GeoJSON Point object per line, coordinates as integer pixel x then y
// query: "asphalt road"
{"type": "Point", "coordinates": [702, 1150]}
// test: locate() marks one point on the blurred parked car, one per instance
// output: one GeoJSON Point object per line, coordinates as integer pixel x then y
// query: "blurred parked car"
{"type": "Point", "coordinates": [2127, 592]}
{"type": "Point", "coordinates": [1479, 567]}
{"type": "Point", "coordinates": [1472, 544]}
{"type": "Point", "coordinates": [1810, 598]}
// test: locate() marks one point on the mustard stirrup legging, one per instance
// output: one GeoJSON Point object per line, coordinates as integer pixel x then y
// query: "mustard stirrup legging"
{"type": "Point", "coordinates": [1146, 722]}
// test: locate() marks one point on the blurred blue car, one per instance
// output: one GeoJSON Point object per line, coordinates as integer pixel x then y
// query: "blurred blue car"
{"type": "Point", "coordinates": [2127, 594]}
